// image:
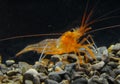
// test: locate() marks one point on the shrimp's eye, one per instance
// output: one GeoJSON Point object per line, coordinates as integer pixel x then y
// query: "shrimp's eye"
{"type": "Point", "coordinates": [72, 30]}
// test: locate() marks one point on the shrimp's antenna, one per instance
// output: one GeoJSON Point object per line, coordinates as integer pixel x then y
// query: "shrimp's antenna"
{"type": "Point", "coordinates": [91, 12]}
{"type": "Point", "coordinates": [101, 18]}
{"type": "Point", "coordinates": [103, 28]}
{"type": "Point", "coordinates": [84, 14]}
{"type": "Point", "coordinates": [26, 36]}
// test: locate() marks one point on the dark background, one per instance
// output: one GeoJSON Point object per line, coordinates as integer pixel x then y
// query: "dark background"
{"type": "Point", "coordinates": [25, 17]}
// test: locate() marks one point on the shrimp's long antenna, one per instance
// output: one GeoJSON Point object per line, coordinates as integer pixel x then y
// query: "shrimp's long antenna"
{"type": "Point", "coordinates": [84, 14]}
{"type": "Point", "coordinates": [91, 12]}
{"type": "Point", "coordinates": [103, 28]}
{"type": "Point", "coordinates": [101, 18]}
{"type": "Point", "coordinates": [26, 36]}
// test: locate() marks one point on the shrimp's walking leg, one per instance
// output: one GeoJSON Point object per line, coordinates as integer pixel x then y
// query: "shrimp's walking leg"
{"type": "Point", "coordinates": [89, 51]}
{"type": "Point", "coordinates": [93, 43]}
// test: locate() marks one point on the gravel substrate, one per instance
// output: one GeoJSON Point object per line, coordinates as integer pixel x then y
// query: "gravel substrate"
{"type": "Point", "coordinates": [63, 69]}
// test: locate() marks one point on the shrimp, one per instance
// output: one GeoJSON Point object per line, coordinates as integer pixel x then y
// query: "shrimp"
{"type": "Point", "coordinates": [68, 42]}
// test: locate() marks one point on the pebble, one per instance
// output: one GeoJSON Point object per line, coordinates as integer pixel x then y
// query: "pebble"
{"type": "Point", "coordinates": [116, 47]}
{"type": "Point", "coordinates": [117, 80]}
{"type": "Point", "coordinates": [49, 81]}
{"type": "Point", "coordinates": [40, 68]}
{"type": "Point", "coordinates": [42, 76]}
{"type": "Point", "coordinates": [94, 80]}
{"type": "Point", "coordinates": [117, 71]}
{"type": "Point", "coordinates": [98, 65]}
{"type": "Point", "coordinates": [65, 82]}
{"type": "Point", "coordinates": [113, 64]}
{"type": "Point", "coordinates": [12, 72]}
{"type": "Point", "coordinates": [1, 73]}
{"type": "Point", "coordinates": [80, 81]}
{"type": "Point", "coordinates": [55, 58]}
{"type": "Point", "coordinates": [24, 66]}
{"type": "Point", "coordinates": [9, 62]}
{"type": "Point", "coordinates": [118, 53]}
{"type": "Point", "coordinates": [31, 75]}
{"type": "Point", "coordinates": [55, 76]}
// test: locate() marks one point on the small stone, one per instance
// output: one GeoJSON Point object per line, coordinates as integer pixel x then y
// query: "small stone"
{"type": "Point", "coordinates": [1, 73]}
{"type": "Point", "coordinates": [113, 64]}
{"type": "Point", "coordinates": [49, 81]}
{"type": "Point", "coordinates": [80, 81]}
{"type": "Point", "coordinates": [42, 76]}
{"type": "Point", "coordinates": [118, 66]}
{"type": "Point", "coordinates": [40, 68]}
{"type": "Point", "coordinates": [117, 80]}
{"type": "Point", "coordinates": [54, 76]}
{"type": "Point", "coordinates": [69, 67]}
{"type": "Point", "coordinates": [24, 66]}
{"type": "Point", "coordinates": [58, 69]}
{"type": "Point", "coordinates": [116, 46]}
{"type": "Point", "coordinates": [117, 71]}
{"type": "Point", "coordinates": [15, 65]}
{"type": "Point", "coordinates": [102, 53]}
{"type": "Point", "coordinates": [3, 68]}
{"type": "Point", "coordinates": [107, 77]}
{"type": "Point", "coordinates": [110, 48]}
{"type": "Point", "coordinates": [55, 58]}
{"type": "Point", "coordinates": [96, 80]}
{"type": "Point", "coordinates": [9, 62]}
{"type": "Point", "coordinates": [76, 75]}
{"type": "Point", "coordinates": [32, 75]}
{"type": "Point", "coordinates": [65, 82]}
{"type": "Point", "coordinates": [107, 69]}
{"type": "Point", "coordinates": [28, 82]}
{"type": "Point", "coordinates": [92, 73]}
{"type": "Point", "coordinates": [118, 53]}
{"type": "Point", "coordinates": [98, 66]}
{"type": "Point", "coordinates": [12, 72]}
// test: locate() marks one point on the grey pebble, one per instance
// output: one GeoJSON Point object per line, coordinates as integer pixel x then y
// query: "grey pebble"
{"type": "Point", "coordinates": [12, 72]}
{"type": "Point", "coordinates": [3, 68]}
{"type": "Point", "coordinates": [109, 78]}
{"type": "Point", "coordinates": [55, 58]}
{"type": "Point", "coordinates": [9, 62]}
{"type": "Point", "coordinates": [113, 64]}
{"type": "Point", "coordinates": [97, 80]}
{"type": "Point", "coordinates": [32, 75]}
{"type": "Point", "coordinates": [42, 76]}
{"type": "Point", "coordinates": [98, 65]}
{"type": "Point", "coordinates": [116, 46]}
{"type": "Point", "coordinates": [117, 80]}
{"type": "Point", "coordinates": [54, 76]}
{"type": "Point", "coordinates": [69, 67]}
{"type": "Point", "coordinates": [49, 81]}
{"type": "Point", "coordinates": [117, 71]}
{"type": "Point", "coordinates": [24, 66]}
{"type": "Point", "coordinates": [80, 81]}
{"type": "Point", "coordinates": [1, 73]}
{"type": "Point", "coordinates": [102, 53]}
{"type": "Point", "coordinates": [118, 53]}
{"type": "Point", "coordinates": [28, 82]}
